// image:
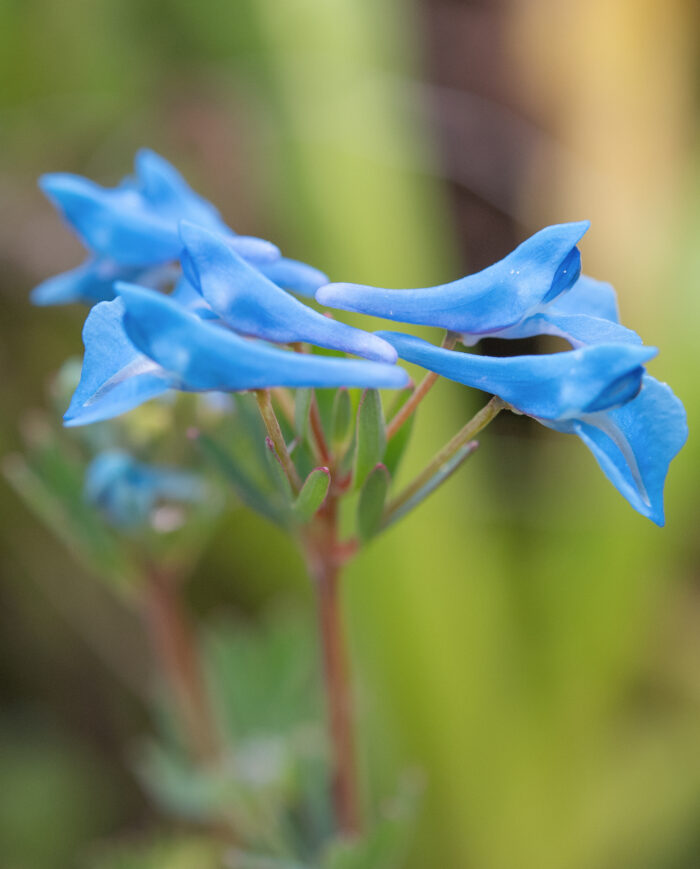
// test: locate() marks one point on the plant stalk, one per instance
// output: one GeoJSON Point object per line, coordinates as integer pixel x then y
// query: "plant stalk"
{"type": "Point", "coordinates": [317, 430]}
{"type": "Point", "coordinates": [325, 558]}
{"type": "Point", "coordinates": [419, 392]}
{"type": "Point", "coordinates": [267, 412]}
{"type": "Point", "coordinates": [476, 424]}
{"type": "Point", "coordinates": [175, 647]}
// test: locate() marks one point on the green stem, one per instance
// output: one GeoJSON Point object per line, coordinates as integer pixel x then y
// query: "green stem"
{"type": "Point", "coordinates": [267, 412]}
{"type": "Point", "coordinates": [476, 424]}
{"type": "Point", "coordinates": [419, 392]}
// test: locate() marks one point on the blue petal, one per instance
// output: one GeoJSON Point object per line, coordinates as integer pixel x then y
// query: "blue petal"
{"type": "Point", "coordinates": [634, 444]}
{"type": "Point", "coordinates": [166, 192]}
{"type": "Point", "coordinates": [263, 254]}
{"type": "Point", "coordinates": [250, 303]}
{"type": "Point", "coordinates": [93, 282]}
{"type": "Point", "coordinates": [553, 386]}
{"type": "Point", "coordinates": [115, 223]}
{"type": "Point", "coordinates": [170, 195]}
{"type": "Point", "coordinates": [295, 276]}
{"type": "Point", "coordinates": [588, 297]}
{"type": "Point", "coordinates": [115, 377]}
{"type": "Point", "coordinates": [587, 314]}
{"type": "Point", "coordinates": [204, 356]}
{"type": "Point", "coordinates": [136, 223]}
{"type": "Point", "coordinates": [536, 272]}
{"type": "Point", "coordinates": [188, 297]}
{"type": "Point", "coordinates": [89, 283]}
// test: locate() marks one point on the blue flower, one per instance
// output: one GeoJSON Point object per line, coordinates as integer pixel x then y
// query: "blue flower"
{"type": "Point", "coordinates": [633, 444]}
{"type": "Point", "coordinates": [127, 491]}
{"type": "Point", "coordinates": [132, 229]}
{"type": "Point", "coordinates": [136, 223]}
{"type": "Point", "coordinates": [144, 343]}
{"type": "Point", "coordinates": [556, 386]}
{"type": "Point", "coordinates": [633, 425]}
{"type": "Point", "coordinates": [502, 295]}
{"type": "Point", "coordinates": [251, 304]}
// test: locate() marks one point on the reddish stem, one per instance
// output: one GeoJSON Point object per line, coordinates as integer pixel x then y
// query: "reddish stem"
{"type": "Point", "coordinates": [337, 679]}
{"type": "Point", "coordinates": [419, 392]}
{"type": "Point", "coordinates": [176, 650]}
{"type": "Point", "coordinates": [318, 433]}
{"type": "Point", "coordinates": [325, 558]}
{"type": "Point", "coordinates": [324, 454]}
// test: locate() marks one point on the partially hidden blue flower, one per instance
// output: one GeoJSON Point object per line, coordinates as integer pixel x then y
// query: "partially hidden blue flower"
{"type": "Point", "coordinates": [127, 491]}
{"type": "Point", "coordinates": [253, 305]}
{"type": "Point", "coordinates": [145, 343]}
{"type": "Point", "coordinates": [136, 223]}
{"type": "Point", "coordinates": [633, 425]}
{"type": "Point", "coordinates": [132, 228]}
{"type": "Point", "coordinates": [502, 295]}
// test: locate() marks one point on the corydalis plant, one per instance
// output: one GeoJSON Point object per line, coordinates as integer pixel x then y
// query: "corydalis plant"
{"type": "Point", "coordinates": [186, 304]}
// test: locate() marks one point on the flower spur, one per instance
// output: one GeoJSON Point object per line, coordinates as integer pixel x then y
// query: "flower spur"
{"type": "Point", "coordinates": [502, 295]}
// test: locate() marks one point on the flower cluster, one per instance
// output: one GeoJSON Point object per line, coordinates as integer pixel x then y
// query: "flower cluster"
{"type": "Point", "coordinates": [182, 302]}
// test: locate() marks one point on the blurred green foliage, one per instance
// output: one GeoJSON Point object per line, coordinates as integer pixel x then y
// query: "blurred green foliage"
{"type": "Point", "coordinates": [525, 639]}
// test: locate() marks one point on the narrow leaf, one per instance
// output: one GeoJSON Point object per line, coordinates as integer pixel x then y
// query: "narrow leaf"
{"type": "Point", "coordinates": [393, 514]}
{"type": "Point", "coordinates": [370, 507]}
{"type": "Point", "coordinates": [313, 494]}
{"type": "Point", "coordinates": [342, 418]}
{"type": "Point", "coordinates": [302, 406]}
{"type": "Point", "coordinates": [371, 436]}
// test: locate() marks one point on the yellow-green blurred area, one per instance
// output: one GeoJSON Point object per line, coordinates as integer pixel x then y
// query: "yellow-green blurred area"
{"type": "Point", "coordinates": [525, 639]}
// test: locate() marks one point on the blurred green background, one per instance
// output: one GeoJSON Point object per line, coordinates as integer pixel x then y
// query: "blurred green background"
{"type": "Point", "coordinates": [526, 639]}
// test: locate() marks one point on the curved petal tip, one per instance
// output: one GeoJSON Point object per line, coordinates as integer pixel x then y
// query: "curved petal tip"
{"type": "Point", "coordinates": [63, 188]}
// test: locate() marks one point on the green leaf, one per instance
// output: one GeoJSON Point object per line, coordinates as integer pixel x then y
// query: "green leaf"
{"type": "Point", "coordinates": [265, 677]}
{"type": "Point", "coordinates": [435, 481]}
{"type": "Point", "coordinates": [370, 507]}
{"type": "Point", "coordinates": [313, 494]}
{"type": "Point", "coordinates": [371, 436]}
{"type": "Point", "coordinates": [302, 407]}
{"type": "Point", "coordinates": [341, 425]}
